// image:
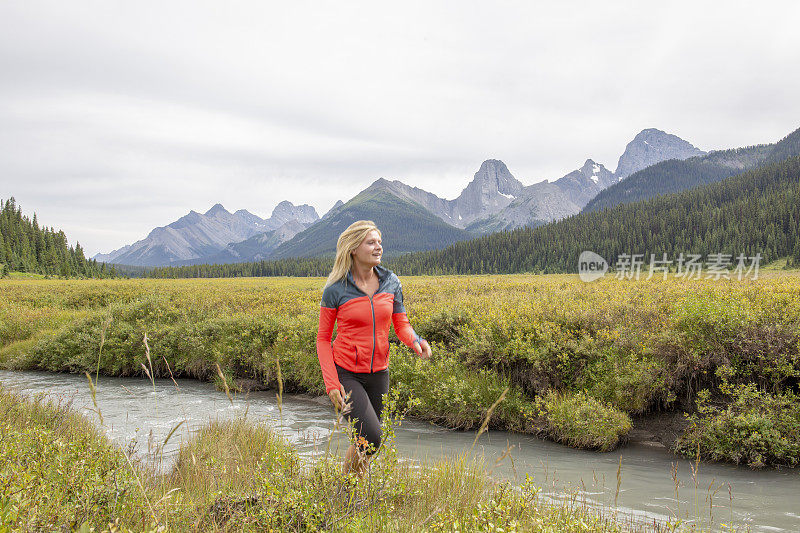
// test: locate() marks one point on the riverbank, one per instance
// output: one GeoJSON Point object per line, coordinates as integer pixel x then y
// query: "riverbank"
{"type": "Point", "coordinates": [59, 471]}
{"type": "Point", "coordinates": [577, 362]}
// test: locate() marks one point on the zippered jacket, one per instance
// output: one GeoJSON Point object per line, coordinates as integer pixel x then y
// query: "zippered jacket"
{"type": "Point", "coordinates": [362, 337]}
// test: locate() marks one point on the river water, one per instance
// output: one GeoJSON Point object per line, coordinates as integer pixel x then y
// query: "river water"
{"type": "Point", "coordinates": [135, 413]}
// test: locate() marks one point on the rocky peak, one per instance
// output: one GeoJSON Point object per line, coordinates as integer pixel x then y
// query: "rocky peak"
{"type": "Point", "coordinates": [216, 209]}
{"type": "Point", "coordinates": [286, 211]}
{"type": "Point", "coordinates": [492, 189]}
{"type": "Point", "coordinates": [249, 218]}
{"type": "Point", "coordinates": [380, 183]}
{"type": "Point", "coordinates": [189, 219]}
{"type": "Point", "coordinates": [651, 146]}
{"type": "Point", "coordinates": [494, 176]}
{"type": "Point", "coordinates": [589, 167]}
{"type": "Point", "coordinates": [596, 173]}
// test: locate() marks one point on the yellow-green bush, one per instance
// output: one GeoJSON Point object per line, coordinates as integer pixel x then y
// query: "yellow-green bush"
{"type": "Point", "coordinates": [577, 419]}
{"type": "Point", "coordinates": [755, 427]}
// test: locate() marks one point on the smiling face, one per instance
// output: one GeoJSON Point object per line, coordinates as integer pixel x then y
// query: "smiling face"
{"type": "Point", "coordinates": [369, 252]}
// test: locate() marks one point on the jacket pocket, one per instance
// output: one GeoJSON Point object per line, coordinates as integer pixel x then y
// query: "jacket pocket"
{"type": "Point", "coordinates": [382, 351]}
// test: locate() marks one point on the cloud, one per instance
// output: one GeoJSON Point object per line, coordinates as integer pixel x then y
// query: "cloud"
{"type": "Point", "coordinates": [116, 118]}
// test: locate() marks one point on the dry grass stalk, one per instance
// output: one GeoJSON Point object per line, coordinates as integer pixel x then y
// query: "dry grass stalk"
{"type": "Point", "coordinates": [489, 412]}
{"type": "Point", "coordinates": [224, 384]}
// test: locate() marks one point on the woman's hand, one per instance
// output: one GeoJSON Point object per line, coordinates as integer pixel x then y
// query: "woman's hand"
{"type": "Point", "coordinates": [422, 349]}
{"type": "Point", "coordinates": [337, 397]}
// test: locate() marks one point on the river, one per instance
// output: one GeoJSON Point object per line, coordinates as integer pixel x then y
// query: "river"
{"type": "Point", "coordinates": [135, 413]}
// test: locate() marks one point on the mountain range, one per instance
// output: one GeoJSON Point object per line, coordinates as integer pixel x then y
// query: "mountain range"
{"type": "Point", "coordinates": [410, 218]}
{"type": "Point", "coordinates": [204, 235]}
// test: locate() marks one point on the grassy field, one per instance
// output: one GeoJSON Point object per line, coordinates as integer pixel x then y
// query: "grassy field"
{"type": "Point", "coordinates": [58, 472]}
{"type": "Point", "coordinates": [25, 275]}
{"type": "Point", "coordinates": [577, 360]}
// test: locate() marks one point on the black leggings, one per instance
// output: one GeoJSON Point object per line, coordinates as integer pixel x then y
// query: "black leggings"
{"type": "Point", "coordinates": [366, 396]}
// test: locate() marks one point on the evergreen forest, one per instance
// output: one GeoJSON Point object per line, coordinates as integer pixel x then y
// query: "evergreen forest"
{"type": "Point", "coordinates": [27, 247]}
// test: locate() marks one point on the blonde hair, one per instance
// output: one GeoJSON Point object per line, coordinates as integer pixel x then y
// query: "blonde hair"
{"type": "Point", "coordinates": [349, 240]}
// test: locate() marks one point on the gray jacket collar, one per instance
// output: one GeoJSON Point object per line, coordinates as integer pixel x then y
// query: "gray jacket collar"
{"type": "Point", "coordinates": [382, 272]}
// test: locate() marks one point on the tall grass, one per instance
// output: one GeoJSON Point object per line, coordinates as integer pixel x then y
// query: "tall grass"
{"type": "Point", "coordinates": [58, 472]}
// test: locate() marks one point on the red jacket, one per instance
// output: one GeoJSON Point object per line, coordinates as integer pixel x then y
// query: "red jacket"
{"type": "Point", "coordinates": [362, 339]}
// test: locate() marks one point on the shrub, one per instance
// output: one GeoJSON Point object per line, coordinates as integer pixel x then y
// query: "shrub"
{"type": "Point", "coordinates": [225, 454]}
{"type": "Point", "coordinates": [628, 381]}
{"type": "Point", "coordinates": [444, 327]}
{"type": "Point", "coordinates": [58, 471]}
{"type": "Point", "coordinates": [581, 421]}
{"type": "Point", "coordinates": [756, 428]}
{"type": "Point", "coordinates": [448, 393]}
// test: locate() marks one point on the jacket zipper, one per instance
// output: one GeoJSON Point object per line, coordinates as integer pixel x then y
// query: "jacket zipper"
{"type": "Point", "coordinates": [372, 306]}
{"type": "Point", "coordinates": [372, 357]}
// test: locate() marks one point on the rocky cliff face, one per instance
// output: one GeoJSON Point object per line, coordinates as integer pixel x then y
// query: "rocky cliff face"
{"type": "Point", "coordinates": [491, 190]}
{"type": "Point", "coordinates": [536, 204]}
{"type": "Point", "coordinates": [583, 184]}
{"type": "Point", "coordinates": [674, 175]}
{"type": "Point", "coordinates": [652, 146]}
{"type": "Point", "coordinates": [544, 201]}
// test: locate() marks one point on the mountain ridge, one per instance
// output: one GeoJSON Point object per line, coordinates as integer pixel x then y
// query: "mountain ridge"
{"type": "Point", "coordinates": [197, 235]}
{"type": "Point", "coordinates": [755, 212]}
{"type": "Point", "coordinates": [405, 226]}
{"type": "Point", "coordinates": [493, 200]}
{"type": "Point", "coordinates": [672, 176]}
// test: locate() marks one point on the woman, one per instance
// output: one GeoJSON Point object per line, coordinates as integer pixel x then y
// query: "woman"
{"type": "Point", "coordinates": [362, 297]}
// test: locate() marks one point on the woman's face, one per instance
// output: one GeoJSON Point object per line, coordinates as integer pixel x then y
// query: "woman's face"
{"type": "Point", "coordinates": [369, 252]}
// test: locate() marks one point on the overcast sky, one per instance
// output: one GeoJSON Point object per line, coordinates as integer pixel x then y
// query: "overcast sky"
{"type": "Point", "coordinates": [117, 117]}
